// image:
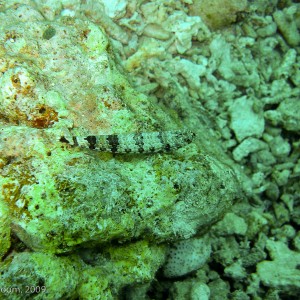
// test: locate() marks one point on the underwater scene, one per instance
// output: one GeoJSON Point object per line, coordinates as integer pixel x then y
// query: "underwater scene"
{"type": "Point", "coordinates": [150, 149]}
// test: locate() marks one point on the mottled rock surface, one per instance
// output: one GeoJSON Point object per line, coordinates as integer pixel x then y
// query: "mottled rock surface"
{"type": "Point", "coordinates": [89, 275]}
{"type": "Point", "coordinates": [206, 67]}
{"type": "Point", "coordinates": [282, 272]}
{"type": "Point", "coordinates": [60, 80]}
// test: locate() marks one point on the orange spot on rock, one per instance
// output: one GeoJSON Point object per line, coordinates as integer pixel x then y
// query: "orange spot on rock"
{"type": "Point", "coordinates": [43, 117]}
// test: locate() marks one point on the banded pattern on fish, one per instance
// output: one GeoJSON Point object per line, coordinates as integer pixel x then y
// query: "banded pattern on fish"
{"type": "Point", "coordinates": [146, 142]}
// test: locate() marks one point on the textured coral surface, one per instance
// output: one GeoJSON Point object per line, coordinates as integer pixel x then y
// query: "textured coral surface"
{"type": "Point", "coordinates": [61, 79]}
{"type": "Point", "coordinates": [146, 226]}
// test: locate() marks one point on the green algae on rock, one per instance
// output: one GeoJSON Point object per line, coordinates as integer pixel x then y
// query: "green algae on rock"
{"type": "Point", "coordinates": [85, 275]}
{"type": "Point", "coordinates": [66, 198]}
{"type": "Point", "coordinates": [42, 275]}
{"type": "Point", "coordinates": [5, 229]}
{"type": "Point", "coordinates": [63, 198]}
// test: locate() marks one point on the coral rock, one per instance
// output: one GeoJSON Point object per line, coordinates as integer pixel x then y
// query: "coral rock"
{"type": "Point", "coordinates": [60, 80]}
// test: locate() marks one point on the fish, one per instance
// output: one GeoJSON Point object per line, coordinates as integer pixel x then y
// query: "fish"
{"type": "Point", "coordinates": [144, 142]}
